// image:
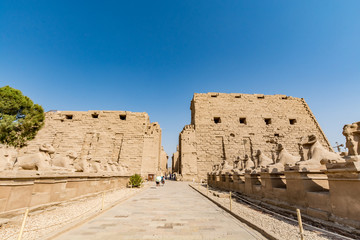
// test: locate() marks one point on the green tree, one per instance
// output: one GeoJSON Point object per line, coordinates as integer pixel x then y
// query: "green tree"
{"type": "Point", "coordinates": [20, 118]}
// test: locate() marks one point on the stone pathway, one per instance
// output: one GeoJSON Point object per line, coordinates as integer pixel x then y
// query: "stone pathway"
{"type": "Point", "coordinates": [174, 211]}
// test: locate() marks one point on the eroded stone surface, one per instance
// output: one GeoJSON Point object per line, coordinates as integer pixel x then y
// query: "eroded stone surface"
{"type": "Point", "coordinates": [93, 141]}
{"type": "Point", "coordinates": [231, 126]}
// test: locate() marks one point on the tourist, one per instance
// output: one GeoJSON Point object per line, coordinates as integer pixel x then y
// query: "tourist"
{"type": "Point", "coordinates": [158, 180]}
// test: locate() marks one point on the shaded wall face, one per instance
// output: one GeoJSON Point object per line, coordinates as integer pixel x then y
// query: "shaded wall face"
{"type": "Point", "coordinates": [233, 125]}
{"type": "Point", "coordinates": [100, 136]}
{"type": "Point", "coordinates": [175, 162]}
{"type": "Point", "coordinates": [163, 161]}
{"type": "Point", "coordinates": [188, 154]}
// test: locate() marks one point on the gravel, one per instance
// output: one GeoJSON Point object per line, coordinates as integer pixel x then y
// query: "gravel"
{"type": "Point", "coordinates": [40, 224]}
{"type": "Point", "coordinates": [280, 228]}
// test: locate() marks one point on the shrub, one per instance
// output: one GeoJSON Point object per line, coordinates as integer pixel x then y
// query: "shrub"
{"type": "Point", "coordinates": [20, 118]}
{"type": "Point", "coordinates": [135, 180]}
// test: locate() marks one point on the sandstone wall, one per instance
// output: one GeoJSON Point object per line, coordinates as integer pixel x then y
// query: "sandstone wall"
{"type": "Point", "coordinates": [225, 126]}
{"type": "Point", "coordinates": [163, 161]}
{"type": "Point", "coordinates": [175, 161]}
{"type": "Point", "coordinates": [104, 136]}
{"type": "Point", "coordinates": [187, 152]}
{"type": "Point", "coordinates": [152, 144]}
{"type": "Point", "coordinates": [29, 190]}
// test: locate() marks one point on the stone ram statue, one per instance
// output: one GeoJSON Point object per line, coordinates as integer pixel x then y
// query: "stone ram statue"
{"type": "Point", "coordinates": [37, 161]}
{"type": "Point", "coordinates": [6, 155]}
{"type": "Point", "coordinates": [352, 135]}
{"type": "Point", "coordinates": [95, 166]}
{"type": "Point", "coordinates": [215, 169]}
{"type": "Point", "coordinates": [225, 167]}
{"type": "Point", "coordinates": [248, 163]}
{"type": "Point", "coordinates": [66, 162]}
{"type": "Point", "coordinates": [316, 155]}
{"type": "Point", "coordinates": [262, 160]}
{"type": "Point", "coordinates": [81, 165]}
{"type": "Point", "coordinates": [283, 158]}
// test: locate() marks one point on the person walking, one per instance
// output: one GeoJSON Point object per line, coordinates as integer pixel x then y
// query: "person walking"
{"type": "Point", "coordinates": [158, 180]}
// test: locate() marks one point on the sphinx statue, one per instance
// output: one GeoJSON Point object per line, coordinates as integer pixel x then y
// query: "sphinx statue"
{"type": "Point", "coordinates": [65, 162]}
{"type": "Point", "coordinates": [248, 163]}
{"type": "Point", "coordinates": [283, 158]}
{"type": "Point", "coordinates": [238, 166]}
{"type": "Point", "coordinates": [6, 156]}
{"type": "Point", "coordinates": [37, 161]}
{"type": "Point", "coordinates": [316, 155]}
{"type": "Point", "coordinates": [82, 165]}
{"type": "Point", "coordinates": [215, 168]}
{"type": "Point", "coordinates": [108, 166]}
{"type": "Point", "coordinates": [112, 166]}
{"type": "Point", "coordinates": [261, 160]}
{"type": "Point", "coordinates": [95, 166]}
{"type": "Point", "coordinates": [352, 135]}
{"type": "Point", "coordinates": [225, 167]}
{"type": "Point", "coordinates": [244, 165]}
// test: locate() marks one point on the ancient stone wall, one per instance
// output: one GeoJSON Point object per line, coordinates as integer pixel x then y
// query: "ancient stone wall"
{"type": "Point", "coordinates": [126, 138]}
{"type": "Point", "coordinates": [227, 126]}
{"type": "Point", "coordinates": [175, 161]}
{"type": "Point", "coordinates": [187, 152]}
{"type": "Point", "coordinates": [163, 161]}
{"type": "Point", "coordinates": [151, 152]}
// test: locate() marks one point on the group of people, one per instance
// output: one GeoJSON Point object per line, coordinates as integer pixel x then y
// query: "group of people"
{"type": "Point", "coordinates": [171, 176]}
{"type": "Point", "coordinates": [160, 179]}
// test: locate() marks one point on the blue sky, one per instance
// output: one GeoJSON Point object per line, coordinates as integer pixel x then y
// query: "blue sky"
{"type": "Point", "coordinates": [151, 56]}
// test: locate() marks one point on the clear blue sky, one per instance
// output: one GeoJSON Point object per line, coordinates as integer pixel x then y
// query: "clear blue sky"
{"type": "Point", "coordinates": [151, 56]}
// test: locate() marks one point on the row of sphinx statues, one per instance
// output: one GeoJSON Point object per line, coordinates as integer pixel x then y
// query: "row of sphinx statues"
{"type": "Point", "coordinates": [48, 160]}
{"type": "Point", "coordinates": [313, 156]}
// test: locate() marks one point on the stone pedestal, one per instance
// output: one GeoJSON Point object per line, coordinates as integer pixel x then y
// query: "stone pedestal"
{"type": "Point", "coordinates": [223, 183]}
{"type": "Point", "coordinates": [253, 184]}
{"type": "Point", "coordinates": [214, 179]}
{"type": "Point", "coordinates": [217, 182]}
{"type": "Point", "coordinates": [239, 183]}
{"type": "Point", "coordinates": [20, 190]}
{"type": "Point", "coordinates": [344, 188]}
{"type": "Point", "coordinates": [298, 184]}
{"type": "Point", "coordinates": [230, 182]}
{"type": "Point", "coordinates": [209, 179]}
{"type": "Point", "coordinates": [273, 186]}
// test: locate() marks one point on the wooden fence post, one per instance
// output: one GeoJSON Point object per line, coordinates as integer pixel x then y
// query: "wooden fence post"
{"type": "Point", "coordinates": [300, 224]}
{"type": "Point", "coordinates": [23, 224]}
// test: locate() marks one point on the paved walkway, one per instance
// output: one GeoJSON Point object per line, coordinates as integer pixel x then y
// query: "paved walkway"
{"type": "Point", "coordinates": [174, 211]}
